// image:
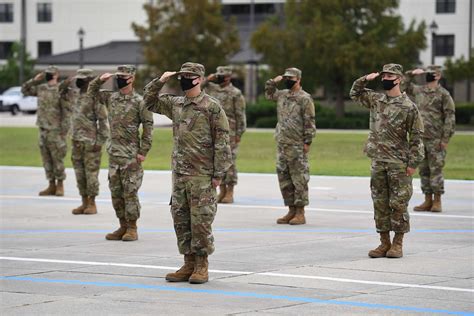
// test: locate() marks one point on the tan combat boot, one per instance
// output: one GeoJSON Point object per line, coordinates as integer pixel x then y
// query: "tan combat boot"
{"type": "Point", "coordinates": [396, 251]}
{"type": "Point", "coordinates": [426, 205]}
{"type": "Point", "coordinates": [183, 274]}
{"type": "Point", "coordinates": [200, 274]}
{"type": "Point", "coordinates": [299, 218]}
{"type": "Point", "coordinates": [286, 219]}
{"type": "Point", "coordinates": [131, 233]}
{"type": "Point", "coordinates": [91, 207]}
{"type": "Point", "coordinates": [221, 195]}
{"type": "Point", "coordinates": [59, 188]}
{"type": "Point", "coordinates": [381, 250]}
{"type": "Point", "coordinates": [118, 234]}
{"type": "Point", "coordinates": [229, 195]}
{"type": "Point", "coordinates": [50, 190]}
{"type": "Point", "coordinates": [80, 209]}
{"type": "Point", "coordinates": [436, 204]}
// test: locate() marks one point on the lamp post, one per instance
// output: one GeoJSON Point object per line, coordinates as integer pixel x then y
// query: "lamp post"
{"type": "Point", "coordinates": [81, 33]}
{"type": "Point", "coordinates": [433, 29]}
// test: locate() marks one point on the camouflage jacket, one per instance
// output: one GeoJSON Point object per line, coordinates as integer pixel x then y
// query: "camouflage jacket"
{"type": "Point", "coordinates": [232, 102]}
{"type": "Point", "coordinates": [296, 115]}
{"type": "Point", "coordinates": [200, 131]}
{"type": "Point", "coordinates": [125, 113]}
{"type": "Point", "coordinates": [89, 119]}
{"type": "Point", "coordinates": [395, 126]}
{"type": "Point", "coordinates": [436, 108]}
{"type": "Point", "coordinates": [54, 108]}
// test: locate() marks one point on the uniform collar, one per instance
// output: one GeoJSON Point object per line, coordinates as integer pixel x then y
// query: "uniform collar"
{"type": "Point", "coordinates": [195, 100]}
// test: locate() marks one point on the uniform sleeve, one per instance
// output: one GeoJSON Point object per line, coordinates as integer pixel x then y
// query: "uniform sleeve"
{"type": "Point", "coordinates": [449, 118]}
{"type": "Point", "coordinates": [220, 136]}
{"type": "Point", "coordinates": [361, 94]}
{"type": "Point", "coordinates": [409, 87]}
{"type": "Point", "coordinates": [309, 121]}
{"type": "Point", "coordinates": [154, 102]}
{"type": "Point", "coordinates": [103, 129]}
{"type": "Point", "coordinates": [29, 88]}
{"type": "Point", "coordinates": [240, 117]}
{"type": "Point", "coordinates": [415, 132]}
{"type": "Point", "coordinates": [146, 118]}
{"type": "Point", "coordinates": [271, 91]}
{"type": "Point", "coordinates": [65, 102]}
{"type": "Point", "coordinates": [95, 93]}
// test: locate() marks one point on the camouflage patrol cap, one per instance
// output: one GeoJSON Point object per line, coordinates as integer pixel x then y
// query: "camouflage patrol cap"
{"type": "Point", "coordinates": [126, 70]}
{"type": "Point", "coordinates": [192, 68]}
{"type": "Point", "coordinates": [292, 72]}
{"type": "Point", "coordinates": [84, 73]}
{"type": "Point", "coordinates": [434, 69]}
{"type": "Point", "coordinates": [224, 71]}
{"type": "Point", "coordinates": [395, 69]}
{"type": "Point", "coordinates": [52, 69]}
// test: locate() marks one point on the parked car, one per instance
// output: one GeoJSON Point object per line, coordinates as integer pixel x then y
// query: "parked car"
{"type": "Point", "coordinates": [14, 101]}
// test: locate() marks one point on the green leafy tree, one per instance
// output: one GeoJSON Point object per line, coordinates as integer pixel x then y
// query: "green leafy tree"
{"type": "Point", "coordinates": [459, 69]}
{"type": "Point", "coordinates": [186, 30]}
{"type": "Point", "coordinates": [336, 41]}
{"type": "Point", "coordinates": [10, 72]}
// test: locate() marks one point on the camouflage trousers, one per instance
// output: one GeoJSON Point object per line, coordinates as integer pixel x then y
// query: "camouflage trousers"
{"type": "Point", "coordinates": [293, 174]}
{"type": "Point", "coordinates": [431, 168]}
{"type": "Point", "coordinates": [193, 207]}
{"type": "Point", "coordinates": [391, 191]}
{"type": "Point", "coordinates": [86, 163]}
{"type": "Point", "coordinates": [53, 148]}
{"type": "Point", "coordinates": [230, 177]}
{"type": "Point", "coordinates": [125, 178]}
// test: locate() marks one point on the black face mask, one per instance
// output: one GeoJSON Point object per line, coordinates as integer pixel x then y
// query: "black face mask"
{"type": "Point", "coordinates": [122, 82]}
{"type": "Point", "coordinates": [81, 83]}
{"type": "Point", "coordinates": [187, 83]}
{"type": "Point", "coordinates": [49, 76]}
{"type": "Point", "coordinates": [430, 77]}
{"type": "Point", "coordinates": [220, 79]}
{"type": "Point", "coordinates": [388, 84]}
{"type": "Point", "coordinates": [289, 83]}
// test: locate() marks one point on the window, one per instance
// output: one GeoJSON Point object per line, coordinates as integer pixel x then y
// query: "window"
{"type": "Point", "coordinates": [45, 48]}
{"type": "Point", "coordinates": [6, 12]}
{"type": "Point", "coordinates": [445, 6]}
{"type": "Point", "coordinates": [444, 45]}
{"type": "Point", "coordinates": [5, 49]}
{"type": "Point", "coordinates": [240, 9]}
{"type": "Point", "coordinates": [45, 12]}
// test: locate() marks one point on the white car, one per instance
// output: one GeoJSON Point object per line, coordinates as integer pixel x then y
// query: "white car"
{"type": "Point", "coordinates": [12, 100]}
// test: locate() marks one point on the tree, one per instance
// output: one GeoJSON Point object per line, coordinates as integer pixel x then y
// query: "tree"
{"type": "Point", "coordinates": [336, 41]}
{"type": "Point", "coordinates": [459, 69]}
{"type": "Point", "coordinates": [186, 30]}
{"type": "Point", "coordinates": [10, 72]}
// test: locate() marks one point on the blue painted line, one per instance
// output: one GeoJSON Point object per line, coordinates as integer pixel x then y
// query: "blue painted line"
{"type": "Point", "coordinates": [231, 230]}
{"type": "Point", "coordinates": [240, 294]}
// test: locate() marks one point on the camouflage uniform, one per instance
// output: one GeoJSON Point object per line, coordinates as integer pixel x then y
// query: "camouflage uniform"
{"type": "Point", "coordinates": [90, 130]}
{"type": "Point", "coordinates": [53, 120]}
{"type": "Point", "coordinates": [201, 153]}
{"type": "Point", "coordinates": [233, 103]}
{"type": "Point", "coordinates": [126, 113]}
{"type": "Point", "coordinates": [394, 143]}
{"type": "Point", "coordinates": [296, 127]}
{"type": "Point", "coordinates": [437, 111]}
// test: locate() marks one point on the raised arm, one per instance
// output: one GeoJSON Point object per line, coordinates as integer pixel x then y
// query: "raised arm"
{"type": "Point", "coordinates": [29, 88]}
{"type": "Point", "coordinates": [94, 89]}
{"type": "Point", "coordinates": [271, 91]}
{"type": "Point", "coordinates": [408, 85]}
{"type": "Point", "coordinates": [154, 102]}
{"type": "Point", "coordinates": [362, 95]}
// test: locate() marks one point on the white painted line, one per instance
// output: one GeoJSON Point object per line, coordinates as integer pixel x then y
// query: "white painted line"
{"type": "Point", "coordinates": [322, 188]}
{"type": "Point", "coordinates": [266, 207]}
{"type": "Point", "coordinates": [270, 274]}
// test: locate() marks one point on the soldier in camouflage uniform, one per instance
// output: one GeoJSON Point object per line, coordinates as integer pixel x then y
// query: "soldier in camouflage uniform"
{"type": "Point", "coordinates": [53, 121]}
{"type": "Point", "coordinates": [437, 111]}
{"type": "Point", "coordinates": [233, 103]}
{"type": "Point", "coordinates": [396, 148]}
{"type": "Point", "coordinates": [126, 149]}
{"type": "Point", "coordinates": [90, 131]}
{"type": "Point", "coordinates": [201, 156]}
{"type": "Point", "coordinates": [294, 133]}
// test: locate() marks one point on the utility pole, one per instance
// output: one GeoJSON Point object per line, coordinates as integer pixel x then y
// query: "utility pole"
{"type": "Point", "coordinates": [21, 54]}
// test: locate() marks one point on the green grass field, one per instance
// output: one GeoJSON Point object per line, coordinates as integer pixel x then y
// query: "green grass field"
{"type": "Point", "coordinates": [333, 153]}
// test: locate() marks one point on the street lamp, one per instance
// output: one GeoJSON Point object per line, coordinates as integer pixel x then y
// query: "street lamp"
{"type": "Point", "coordinates": [81, 33]}
{"type": "Point", "coordinates": [433, 29]}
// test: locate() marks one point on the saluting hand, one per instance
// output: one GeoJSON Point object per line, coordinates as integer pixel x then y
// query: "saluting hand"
{"type": "Point", "coordinates": [417, 71]}
{"type": "Point", "coordinates": [39, 76]}
{"type": "Point", "coordinates": [106, 76]}
{"type": "Point", "coordinates": [372, 76]}
{"type": "Point", "coordinates": [278, 78]}
{"type": "Point", "coordinates": [167, 75]}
